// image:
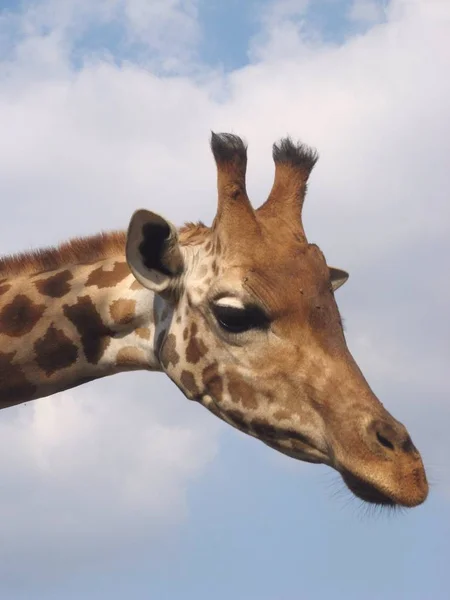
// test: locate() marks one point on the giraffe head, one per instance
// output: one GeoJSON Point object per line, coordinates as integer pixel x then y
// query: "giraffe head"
{"type": "Point", "coordinates": [254, 334]}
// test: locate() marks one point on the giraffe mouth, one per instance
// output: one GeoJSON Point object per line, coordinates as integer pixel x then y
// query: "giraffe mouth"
{"type": "Point", "coordinates": [366, 491]}
{"type": "Point", "coordinates": [363, 490]}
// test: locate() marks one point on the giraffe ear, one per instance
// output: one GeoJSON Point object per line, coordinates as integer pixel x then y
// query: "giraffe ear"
{"type": "Point", "coordinates": [338, 277]}
{"type": "Point", "coordinates": [153, 251]}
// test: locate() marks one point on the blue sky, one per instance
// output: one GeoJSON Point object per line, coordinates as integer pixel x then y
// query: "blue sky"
{"type": "Point", "coordinates": [224, 29]}
{"type": "Point", "coordinates": [106, 107]}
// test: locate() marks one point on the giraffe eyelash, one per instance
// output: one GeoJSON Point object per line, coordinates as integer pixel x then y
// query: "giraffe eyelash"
{"type": "Point", "coordinates": [230, 302]}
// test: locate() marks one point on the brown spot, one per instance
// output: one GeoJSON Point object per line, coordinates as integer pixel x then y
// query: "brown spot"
{"type": "Point", "coordinates": [282, 415]}
{"type": "Point", "coordinates": [20, 316]}
{"type": "Point", "coordinates": [188, 382]}
{"type": "Point", "coordinates": [169, 354]}
{"type": "Point", "coordinates": [14, 386]}
{"type": "Point", "coordinates": [212, 381]}
{"type": "Point", "coordinates": [95, 335]}
{"type": "Point", "coordinates": [55, 351]}
{"type": "Point", "coordinates": [102, 278]}
{"type": "Point", "coordinates": [3, 280]}
{"type": "Point", "coordinates": [123, 311]}
{"type": "Point", "coordinates": [55, 286]}
{"type": "Point", "coordinates": [218, 247]}
{"type": "Point", "coordinates": [208, 247]}
{"type": "Point", "coordinates": [130, 357]}
{"type": "Point", "coordinates": [4, 288]}
{"type": "Point", "coordinates": [136, 285]}
{"type": "Point", "coordinates": [242, 392]}
{"type": "Point", "coordinates": [196, 348]}
{"type": "Point", "coordinates": [143, 332]}
{"type": "Point", "coordinates": [185, 333]}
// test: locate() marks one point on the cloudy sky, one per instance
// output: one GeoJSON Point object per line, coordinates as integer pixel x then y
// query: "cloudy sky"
{"type": "Point", "coordinates": [123, 488]}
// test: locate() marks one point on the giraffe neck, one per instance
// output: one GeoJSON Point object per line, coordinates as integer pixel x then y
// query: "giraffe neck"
{"type": "Point", "coordinates": [62, 328]}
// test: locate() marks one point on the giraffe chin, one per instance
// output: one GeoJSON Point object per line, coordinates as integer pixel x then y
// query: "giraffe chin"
{"type": "Point", "coordinates": [364, 490]}
{"type": "Point", "coordinates": [368, 492]}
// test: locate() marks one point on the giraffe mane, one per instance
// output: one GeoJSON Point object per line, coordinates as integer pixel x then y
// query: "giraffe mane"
{"type": "Point", "coordinates": [84, 250]}
{"type": "Point", "coordinates": [75, 251]}
{"type": "Point", "coordinates": [193, 233]}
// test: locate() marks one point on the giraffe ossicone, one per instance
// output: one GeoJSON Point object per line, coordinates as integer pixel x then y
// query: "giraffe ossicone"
{"type": "Point", "coordinates": [240, 315]}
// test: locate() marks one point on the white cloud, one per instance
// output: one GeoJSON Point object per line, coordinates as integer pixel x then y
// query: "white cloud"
{"type": "Point", "coordinates": [283, 31]}
{"type": "Point", "coordinates": [169, 27]}
{"type": "Point", "coordinates": [82, 149]}
{"type": "Point", "coordinates": [85, 469]}
{"type": "Point", "coordinates": [163, 34]}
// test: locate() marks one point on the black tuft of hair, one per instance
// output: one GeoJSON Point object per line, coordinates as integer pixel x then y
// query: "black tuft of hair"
{"type": "Point", "coordinates": [297, 155]}
{"type": "Point", "coordinates": [227, 147]}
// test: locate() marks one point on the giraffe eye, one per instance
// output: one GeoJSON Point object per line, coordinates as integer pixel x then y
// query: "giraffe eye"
{"type": "Point", "coordinates": [238, 320]}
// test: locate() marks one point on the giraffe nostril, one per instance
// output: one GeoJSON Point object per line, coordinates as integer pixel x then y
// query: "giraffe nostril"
{"type": "Point", "coordinates": [384, 441]}
{"type": "Point", "coordinates": [385, 436]}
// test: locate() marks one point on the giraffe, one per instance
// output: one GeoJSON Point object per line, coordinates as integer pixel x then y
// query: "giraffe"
{"type": "Point", "coordinates": [241, 316]}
